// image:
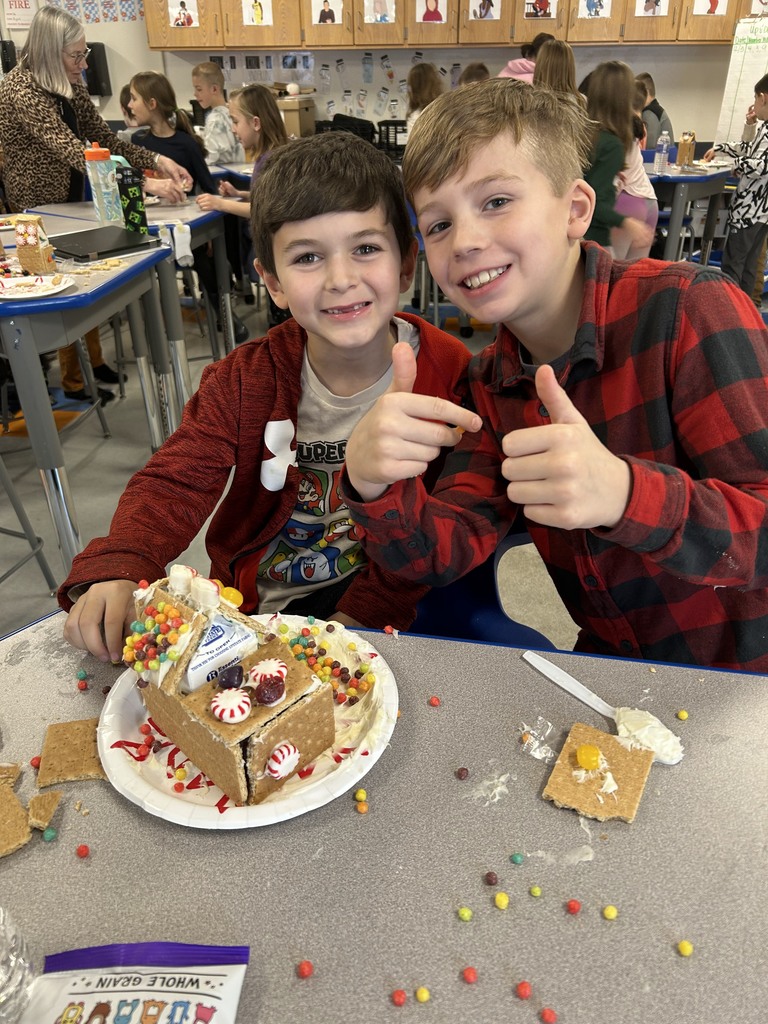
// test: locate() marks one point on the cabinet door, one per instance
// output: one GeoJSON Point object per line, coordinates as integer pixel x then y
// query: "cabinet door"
{"type": "Point", "coordinates": [533, 16]}
{"type": "Point", "coordinates": [595, 21]}
{"type": "Point", "coordinates": [432, 22]}
{"type": "Point", "coordinates": [652, 20]}
{"type": "Point", "coordinates": [173, 27]}
{"type": "Point", "coordinates": [258, 24]}
{"type": "Point", "coordinates": [327, 22]}
{"type": "Point", "coordinates": [485, 21]}
{"type": "Point", "coordinates": [379, 23]}
{"type": "Point", "coordinates": [708, 20]}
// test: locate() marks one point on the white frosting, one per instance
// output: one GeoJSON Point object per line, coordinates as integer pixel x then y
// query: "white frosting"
{"type": "Point", "coordinates": [637, 728]}
{"type": "Point", "coordinates": [180, 579]}
{"type": "Point", "coordinates": [205, 593]}
{"type": "Point", "coordinates": [610, 785]}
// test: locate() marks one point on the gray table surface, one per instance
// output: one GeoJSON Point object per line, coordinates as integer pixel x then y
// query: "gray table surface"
{"type": "Point", "coordinates": [372, 899]}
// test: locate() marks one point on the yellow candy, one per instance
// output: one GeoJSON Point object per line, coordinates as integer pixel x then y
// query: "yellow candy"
{"type": "Point", "coordinates": [501, 900]}
{"type": "Point", "coordinates": [351, 691]}
{"type": "Point", "coordinates": [351, 646]}
{"type": "Point", "coordinates": [233, 595]}
{"type": "Point", "coordinates": [422, 995]}
{"type": "Point", "coordinates": [682, 714]}
{"type": "Point", "coordinates": [535, 890]}
{"type": "Point", "coordinates": [610, 913]}
{"type": "Point", "coordinates": [360, 794]}
{"type": "Point", "coordinates": [465, 914]}
{"type": "Point", "coordinates": [685, 948]}
{"type": "Point", "coordinates": [588, 757]}
{"type": "Point", "coordinates": [181, 774]}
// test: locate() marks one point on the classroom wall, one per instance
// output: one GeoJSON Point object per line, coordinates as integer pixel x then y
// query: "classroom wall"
{"type": "Point", "coordinates": [690, 79]}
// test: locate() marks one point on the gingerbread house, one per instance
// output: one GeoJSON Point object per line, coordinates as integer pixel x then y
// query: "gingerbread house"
{"type": "Point", "coordinates": [33, 251]}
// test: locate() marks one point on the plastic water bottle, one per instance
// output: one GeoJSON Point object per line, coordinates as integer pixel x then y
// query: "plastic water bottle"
{"type": "Point", "coordinates": [16, 970]}
{"type": "Point", "coordinates": [662, 154]}
{"type": "Point", "coordinates": [101, 174]}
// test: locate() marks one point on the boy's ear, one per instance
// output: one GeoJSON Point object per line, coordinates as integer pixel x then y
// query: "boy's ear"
{"type": "Point", "coordinates": [273, 285]}
{"type": "Point", "coordinates": [582, 206]}
{"type": "Point", "coordinates": [408, 267]}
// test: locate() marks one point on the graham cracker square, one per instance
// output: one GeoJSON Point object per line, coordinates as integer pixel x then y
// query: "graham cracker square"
{"type": "Point", "coordinates": [14, 820]}
{"type": "Point", "coordinates": [70, 753]}
{"type": "Point", "coordinates": [42, 807]}
{"type": "Point", "coordinates": [629, 769]}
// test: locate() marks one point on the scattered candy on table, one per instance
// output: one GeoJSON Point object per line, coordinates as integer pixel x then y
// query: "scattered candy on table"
{"type": "Point", "coordinates": [462, 773]}
{"type": "Point", "coordinates": [305, 969]}
{"type": "Point", "coordinates": [49, 834]}
{"type": "Point", "coordinates": [465, 914]}
{"type": "Point", "coordinates": [35, 761]}
{"type": "Point", "coordinates": [573, 906]}
{"type": "Point", "coordinates": [535, 890]}
{"type": "Point", "coordinates": [501, 900]}
{"type": "Point", "coordinates": [684, 947]}
{"type": "Point", "coordinates": [83, 851]}
{"type": "Point", "coordinates": [548, 1016]}
{"type": "Point", "coordinates": [82, 684]}
{"type": "Point", "coordinates": [469, 974]}
{"type": "Point", "coordinates": [491, 878]}
{"type": "Point", "coordinates": [610, 913]}
{"type": "Point", "coordinates": [361, 806]}
{"type": "Point", "coordinates": [434, 702]}
{"type": "Point", "coordinates": [360, 795]}
{"type": "Point", "coordinates": [422, 995]}
{"type": "Point", "coordinates": [82, 674]}
{"type": "Point", "coordinates": [517, 858]}
{"type": "Point", "coordinates": [682, 714]}
{"type": "Point", "coordinates": [523, 990]}
{"type": "Point", "coordinates": [399, 997]}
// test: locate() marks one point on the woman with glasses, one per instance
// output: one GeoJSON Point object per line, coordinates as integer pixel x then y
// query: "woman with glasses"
{"type": "Point", "coordinates": [46, 120]}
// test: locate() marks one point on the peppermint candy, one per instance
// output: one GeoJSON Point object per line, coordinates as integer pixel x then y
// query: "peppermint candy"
{"type": "Point", "coordinates": [231, 706]}
{"type": "Point", "coordinates": [269, 668]}
{"type": "Point", "coordinates": [282, 761]}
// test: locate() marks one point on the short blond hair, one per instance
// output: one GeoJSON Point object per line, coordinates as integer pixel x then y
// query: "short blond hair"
{"type": "Point", "coordinates": [555, 135]}
{"type": "Point", "coordinates": [210, 72]}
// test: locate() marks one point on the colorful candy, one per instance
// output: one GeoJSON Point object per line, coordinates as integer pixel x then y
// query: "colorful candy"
{"type": "Point", "coordinates": [231, 706]}
{"type": "Point", "coordinates": [610, 913]}
{"type": "Point", "coordinates": [282, 760]}
{"type": "Point", "coordinates": [501, 899]}
{"type": "Point", "coordinates": [465, 914]}
{"type": "Point", "coordinates": [305, 969]}
{"type": "Point", "coordinates": [399, 997]}
{"type": "Point", "coordinates": [83, 851]}
{"type": "Point", "coordinates": [523, 990]}
{"type": "Point", "coordinates": [588, 756]}
{"type": "Point", "coordinates": [573, 906]}
{"type": "Point", "coordinates": [423, 995]}
{"type": "Point", "coordinates": [469, 974]}
{"type": "Point", "coordinates": [684, 947]}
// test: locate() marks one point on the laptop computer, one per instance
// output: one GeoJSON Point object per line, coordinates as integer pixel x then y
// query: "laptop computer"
{"type": "Point", "coordinates": [100, 243]}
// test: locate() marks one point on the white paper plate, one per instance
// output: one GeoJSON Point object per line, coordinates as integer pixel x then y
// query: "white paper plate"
{"type": "Point", "coordinates": [12, 288]}
{"type": "Point", "coordinates": [203, 805]}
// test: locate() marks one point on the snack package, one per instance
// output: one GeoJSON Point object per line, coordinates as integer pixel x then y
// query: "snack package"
{"type": "Point", "coordinates": [140, 981]}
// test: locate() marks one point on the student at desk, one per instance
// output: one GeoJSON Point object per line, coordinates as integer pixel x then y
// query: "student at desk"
{"type": "Point", "coordinates": [623, 408]}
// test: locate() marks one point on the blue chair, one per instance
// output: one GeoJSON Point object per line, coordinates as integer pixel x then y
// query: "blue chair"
{"type": "Point", "coordinates": [470, 608]}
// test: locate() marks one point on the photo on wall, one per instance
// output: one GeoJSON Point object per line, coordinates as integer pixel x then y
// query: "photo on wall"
{"type": "Point", "coordinates": [330, 11]}
{"type": "Point", "coordinates": [430, 11]}
{"type": "Point", "coordinates": [594, 8]}
{"type": "Point", "coordinates": [183, 14]}
{"type": "Point", "coordinates": [540, 9]}
{"type": "Point", "coordinates": [645, 8]}
{"type": "Point", "coordinates": [257, 12]}
{"type": "Point", "coordinates": [379, 11]}
{"type": "Point", "coordinates": [487, 10]}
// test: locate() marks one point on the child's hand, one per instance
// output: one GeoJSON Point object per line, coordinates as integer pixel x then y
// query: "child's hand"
{"type": "Point", "coordinates": [226, 188]}
{"type": "Point", "coordinates": [751, 115]}
{"type": "Point", "coordinates": [166, 189]}
{"type": "Point", "coordinates": [709, 155]}
{"type": "Point", "coordinates": [106, 607]}
{"type": "Point", "coordinates": [559, 472]}
{"type": "Point", "coordinates": [403, 432]}
{"type": "Point", "coordinates": [206, 201]}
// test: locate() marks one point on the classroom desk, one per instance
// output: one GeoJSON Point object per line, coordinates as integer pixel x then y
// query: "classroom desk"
{"type": "Point", "coordinates": [677, 189]}
{"type": "Point", "coordinates": [372, 899]}
{"type": "Point", "coordinates": [32, 326]}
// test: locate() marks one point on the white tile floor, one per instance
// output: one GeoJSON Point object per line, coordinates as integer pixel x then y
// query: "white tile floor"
{"type": "Point", "coordinates": [99, 468]}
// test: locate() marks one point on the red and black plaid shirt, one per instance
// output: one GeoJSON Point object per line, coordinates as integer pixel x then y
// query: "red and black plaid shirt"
{"type": "Point", "coordinates": [670, 367]}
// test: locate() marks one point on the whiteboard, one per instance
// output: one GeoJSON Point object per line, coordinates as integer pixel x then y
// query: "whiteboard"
{"type": "Point", "coordinates": [749, 62]}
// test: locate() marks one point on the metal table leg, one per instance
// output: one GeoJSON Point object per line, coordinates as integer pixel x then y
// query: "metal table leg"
{"type": "Point", "coordinates": [174, 329]}
{"type": "Point", "coordinates": [146, 377]}
{"type": "Point", "coordinates": [158, 345]}
{"type": "Point", "coordinates": [679, 203]}
{"type": "Point", "coordinates": [225, 295]}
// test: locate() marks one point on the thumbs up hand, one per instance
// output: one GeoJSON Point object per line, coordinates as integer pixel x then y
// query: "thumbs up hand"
{"type": "Point", "coordinates": [560, 472]}
{"type": "Point", "coordinates": [403, 432]}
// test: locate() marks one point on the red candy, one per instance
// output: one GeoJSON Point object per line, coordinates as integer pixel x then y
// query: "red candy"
{"type": "Point", "coordinates": [145, 728]}
{"type": "Point", "coordinates": [82, 684]}
{"type": "Point", "coordinates": [399, 997]}
{"type": "Point", "coordinates": [305, 969]}
{"type": "Point", "coordinates": [83, 851]}
{"type": "Point", "coordinates": [389, 629]}
{"type": "Point", "coordinates": [523, 990]}
{"type": "Point", "coordinates": [434, 702]}
{"type": "Point", "coordinates": [548, 1016]}
{"type": "Point", "coordinates": [469, 974]}
{"type": "Point", "coordinates": [35, 761]}
{"type": "Point", "coordinates": [573, 906]}
{"type": "Point", "coordinates": [143, 584]}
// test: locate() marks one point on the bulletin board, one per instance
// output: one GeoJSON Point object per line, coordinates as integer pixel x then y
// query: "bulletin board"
{"type": "Point", "coordinates": [749, 62]}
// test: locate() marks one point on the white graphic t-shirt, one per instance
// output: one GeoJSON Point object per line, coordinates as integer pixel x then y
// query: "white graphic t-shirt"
{"type": "Point", "coordinates": [318, 545]}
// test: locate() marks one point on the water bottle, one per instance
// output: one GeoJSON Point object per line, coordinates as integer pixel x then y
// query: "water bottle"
{"type": "Point", "coordinates": [101, 174]}
{"type": "Point", "coordinates": [662, 154]}
{"type": "Point", "coordinates": [16, 971]}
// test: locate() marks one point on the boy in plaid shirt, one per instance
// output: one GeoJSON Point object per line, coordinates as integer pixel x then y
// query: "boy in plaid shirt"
{"type": "Point", "coordinates": [622, 409]}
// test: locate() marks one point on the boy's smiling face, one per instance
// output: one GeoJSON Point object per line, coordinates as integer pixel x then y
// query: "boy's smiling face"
{"type": "Point", "coordinates": [502, 245]}
{"type": "Point", "coordinates": [341, 275]}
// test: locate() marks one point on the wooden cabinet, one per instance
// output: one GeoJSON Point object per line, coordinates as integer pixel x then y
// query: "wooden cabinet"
{"type": "Point", "coordinates": [335, 34]}
{"type": "Point", "coordinates": [480, 23]}
{"type": "Point", "coordinates": [205, 34]}
{"type": "Point", "coordinates": [373, 23]}
{"type": "Point", "coordinates": [652, 21]}
{"type": "Point", "coordinates": [595, 21]}
{"type": "Point", "coordinates": [529, 17]}
{"type": "Point", "coordinates": [245, 25]}
{"type": "Point", "coordinates": [432, 32]}
{"type": "Point", "coordinates": [708, 20]}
